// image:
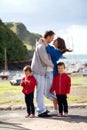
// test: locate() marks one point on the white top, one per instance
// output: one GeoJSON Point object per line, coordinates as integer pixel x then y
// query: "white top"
{"type": "Point", "coordinates": [49, 69]}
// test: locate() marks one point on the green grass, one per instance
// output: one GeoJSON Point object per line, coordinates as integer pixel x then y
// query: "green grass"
{"type": "Point", "coordinates": [77, 99]}
{"type": "Point", "coordinates": [12, 94]}
{"type": "Point", "coordinates": [79, 81]}
{"type": "Point", "coordinates": [29, 47]}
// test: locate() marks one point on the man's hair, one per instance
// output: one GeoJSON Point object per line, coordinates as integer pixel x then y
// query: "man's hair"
{"type": "Point", "coordinates": [48, 33]}
{"type": "Point", "coordinates": [27, 68]}
{"type": "Point", "coordinates": [61, 64]}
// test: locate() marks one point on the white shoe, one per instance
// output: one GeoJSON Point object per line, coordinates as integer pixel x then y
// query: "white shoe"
{"type": "Point", "coordinates": [54, 113]}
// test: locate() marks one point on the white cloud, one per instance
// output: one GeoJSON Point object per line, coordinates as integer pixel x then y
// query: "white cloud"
{"type": "Point", "coordinates": [17, 6]}
{"type": "Point", "coordinates": [76, 38]}
{"type": "Point", "coordinates": [67, 18]}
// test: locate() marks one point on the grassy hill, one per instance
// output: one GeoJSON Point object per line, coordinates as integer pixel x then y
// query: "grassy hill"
{"type": "Point", "coordinates": [19, 43]}
{"type": "Point", "coordinates": [23, 34]}
{"type": "Point", "coordinates": [16, 50]}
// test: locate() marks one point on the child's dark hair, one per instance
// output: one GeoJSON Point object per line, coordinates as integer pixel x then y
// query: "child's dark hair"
{"type": "Point", "coordinates": [61, 64]}
{"type": "Point", "coordinates": [48, 33]}
{"type": "Point", "coordinates": [27, 68]}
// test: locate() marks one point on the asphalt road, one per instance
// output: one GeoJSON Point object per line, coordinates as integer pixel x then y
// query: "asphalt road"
{"type": "Point", "coordinates": [15, 120]}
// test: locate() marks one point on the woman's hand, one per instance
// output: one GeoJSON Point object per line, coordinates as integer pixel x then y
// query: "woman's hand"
{"type": "Point", "coordinates": [66, 50]}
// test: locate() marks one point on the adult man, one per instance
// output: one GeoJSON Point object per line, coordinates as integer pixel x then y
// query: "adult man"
{"type": "Point", "coordinates": [39, 65]}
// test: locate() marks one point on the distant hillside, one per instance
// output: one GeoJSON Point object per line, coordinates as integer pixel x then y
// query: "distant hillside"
{"type": "Point", "coordinates": [23, 34]}
{"type": "Point", "coordinates": [16, 50]}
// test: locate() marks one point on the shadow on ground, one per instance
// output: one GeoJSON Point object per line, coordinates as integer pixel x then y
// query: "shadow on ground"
{"type": "Point", "coordinates": [11, 126]}
{"type": "Point", "coordinates": [70, 118]}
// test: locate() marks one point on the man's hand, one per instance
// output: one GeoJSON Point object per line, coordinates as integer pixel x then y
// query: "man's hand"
{"type": "Point", "coordinates": [41, 40]}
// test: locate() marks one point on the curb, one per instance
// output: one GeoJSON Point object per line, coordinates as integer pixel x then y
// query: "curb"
{"type": "Point", "coordinates": [48, 106]}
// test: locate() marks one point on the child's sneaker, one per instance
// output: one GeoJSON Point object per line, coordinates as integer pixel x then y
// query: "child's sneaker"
{"type": "Point", "coordinates": [27, 116]}
{"type": "Point", "coordinates": [65, 114]}
{"type": "Point", "coordinates": [32, 116]}
{"type": "Point", "coordinates": [60, 115]}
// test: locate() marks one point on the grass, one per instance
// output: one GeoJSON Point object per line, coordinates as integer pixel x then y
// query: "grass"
{"type": "Point", "coordinates": [12, 94]}
{"type": "Point", "coordinates": [77, 99]}
{"type": "Point", "coordinates": [79, 81]}
{"type": "Point", "coordinates": [29, 47]}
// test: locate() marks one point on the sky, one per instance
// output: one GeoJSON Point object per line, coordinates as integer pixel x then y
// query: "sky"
{"type": "Point", "coordinates": [67, 18]}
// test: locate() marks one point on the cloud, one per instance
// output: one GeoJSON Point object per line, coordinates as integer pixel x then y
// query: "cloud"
{"type": "Point", "coordinates": [17, 6]}
{"type": "Point", "coordinates": [46, 12]}
{"type": "Point", "coordinates": [75, 37]}
{"type": "Point", "coordinates": [62, 16]}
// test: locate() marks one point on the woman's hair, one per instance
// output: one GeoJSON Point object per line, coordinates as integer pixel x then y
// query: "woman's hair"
{"type": "Point", "coordinates": [48, 33]}
{"type": "Point", "coordinates": [61, 43]}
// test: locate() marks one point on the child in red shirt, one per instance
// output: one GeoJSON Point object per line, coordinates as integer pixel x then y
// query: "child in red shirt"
{"type": "Point", "coordinates": [61, 85]}
{"type": "Point", "coordinates": [28, 83]}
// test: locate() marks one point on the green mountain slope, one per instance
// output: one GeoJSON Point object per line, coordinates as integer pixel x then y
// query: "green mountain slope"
{"type": "Point", "coordinates": [16, 50]}
{"type": "Point", "coordinates": [23, 34]}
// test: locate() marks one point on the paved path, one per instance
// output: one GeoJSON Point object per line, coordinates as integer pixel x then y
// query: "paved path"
{"type": "Point", "coordinates": [15, 120]}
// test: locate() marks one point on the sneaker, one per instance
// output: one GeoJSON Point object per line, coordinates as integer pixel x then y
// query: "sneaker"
{"type": "Point", "coordinates": [27, 116]}
{"type": "Point", "coordinates": [32, 116]}
{"type": "Point", "coordinates": [53, 113]}
{"type": "Point", "coordinates": [47, 111]}
{"type": "Point", "coordinates": [45, 114]}
{"type": "Point", "coordinates": [60, 115]}
{"type": "Point", "coordinates": [65, 114]}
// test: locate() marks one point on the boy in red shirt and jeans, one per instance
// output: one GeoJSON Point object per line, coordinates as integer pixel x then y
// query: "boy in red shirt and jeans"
{"type": "Point", "coordinates": [28, 83]}
{"type": "Point", "coordinates": [61, 85]}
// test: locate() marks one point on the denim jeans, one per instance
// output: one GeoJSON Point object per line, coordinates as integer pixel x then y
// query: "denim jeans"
{"type": "Point", "coordinates": [48, 84]}
{"type": "Point", "coordinates": [40, 93]}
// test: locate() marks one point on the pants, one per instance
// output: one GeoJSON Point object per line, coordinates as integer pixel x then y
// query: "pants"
{"type": "Point", "coordinates": [62, 102]}
{"type": "Point", "coordinates": [40, 93]}
{"type": "Point", "coordinates": [48, 84]}
{"type": "Point", "coordinates": [29, 103]}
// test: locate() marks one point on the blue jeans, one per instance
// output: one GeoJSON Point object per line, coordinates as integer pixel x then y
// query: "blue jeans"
{"type": "Point", "coordinates": [48, 84]}
{"type": "Point", "coordinates": [40, 93]}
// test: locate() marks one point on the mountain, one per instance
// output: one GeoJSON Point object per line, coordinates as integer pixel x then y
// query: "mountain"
{"type": "Point", "coordinates": [23, 34]}
{"type": "Point", "coordinates": [16, 50]}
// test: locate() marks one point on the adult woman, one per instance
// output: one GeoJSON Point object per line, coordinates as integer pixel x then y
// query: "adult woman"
{"type": "Point", "coordinates": [56, 50]}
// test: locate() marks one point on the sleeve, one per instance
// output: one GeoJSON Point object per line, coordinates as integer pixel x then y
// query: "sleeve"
{"type": "Point", "coordinates": [44, 56]}
{"type": "Point", "coordinates": [22, 83]}
{"type": "Point", "coordinates": [68, 84]}
{"type": "Point", "coordinates": [54, 52]}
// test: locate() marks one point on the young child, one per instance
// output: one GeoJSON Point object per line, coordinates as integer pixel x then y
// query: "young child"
{"type": "Point", "coordinates": [28, 83]}
{"type": "Point", "coordinates": [61, 85]}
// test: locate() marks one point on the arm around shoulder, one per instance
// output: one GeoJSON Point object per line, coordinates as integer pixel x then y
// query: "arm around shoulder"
{"type": "Point", "coordinates": [44, 56]}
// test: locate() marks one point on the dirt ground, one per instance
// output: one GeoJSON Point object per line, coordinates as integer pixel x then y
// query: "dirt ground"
{"type": "Point", "coordinates": [15, 120]}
